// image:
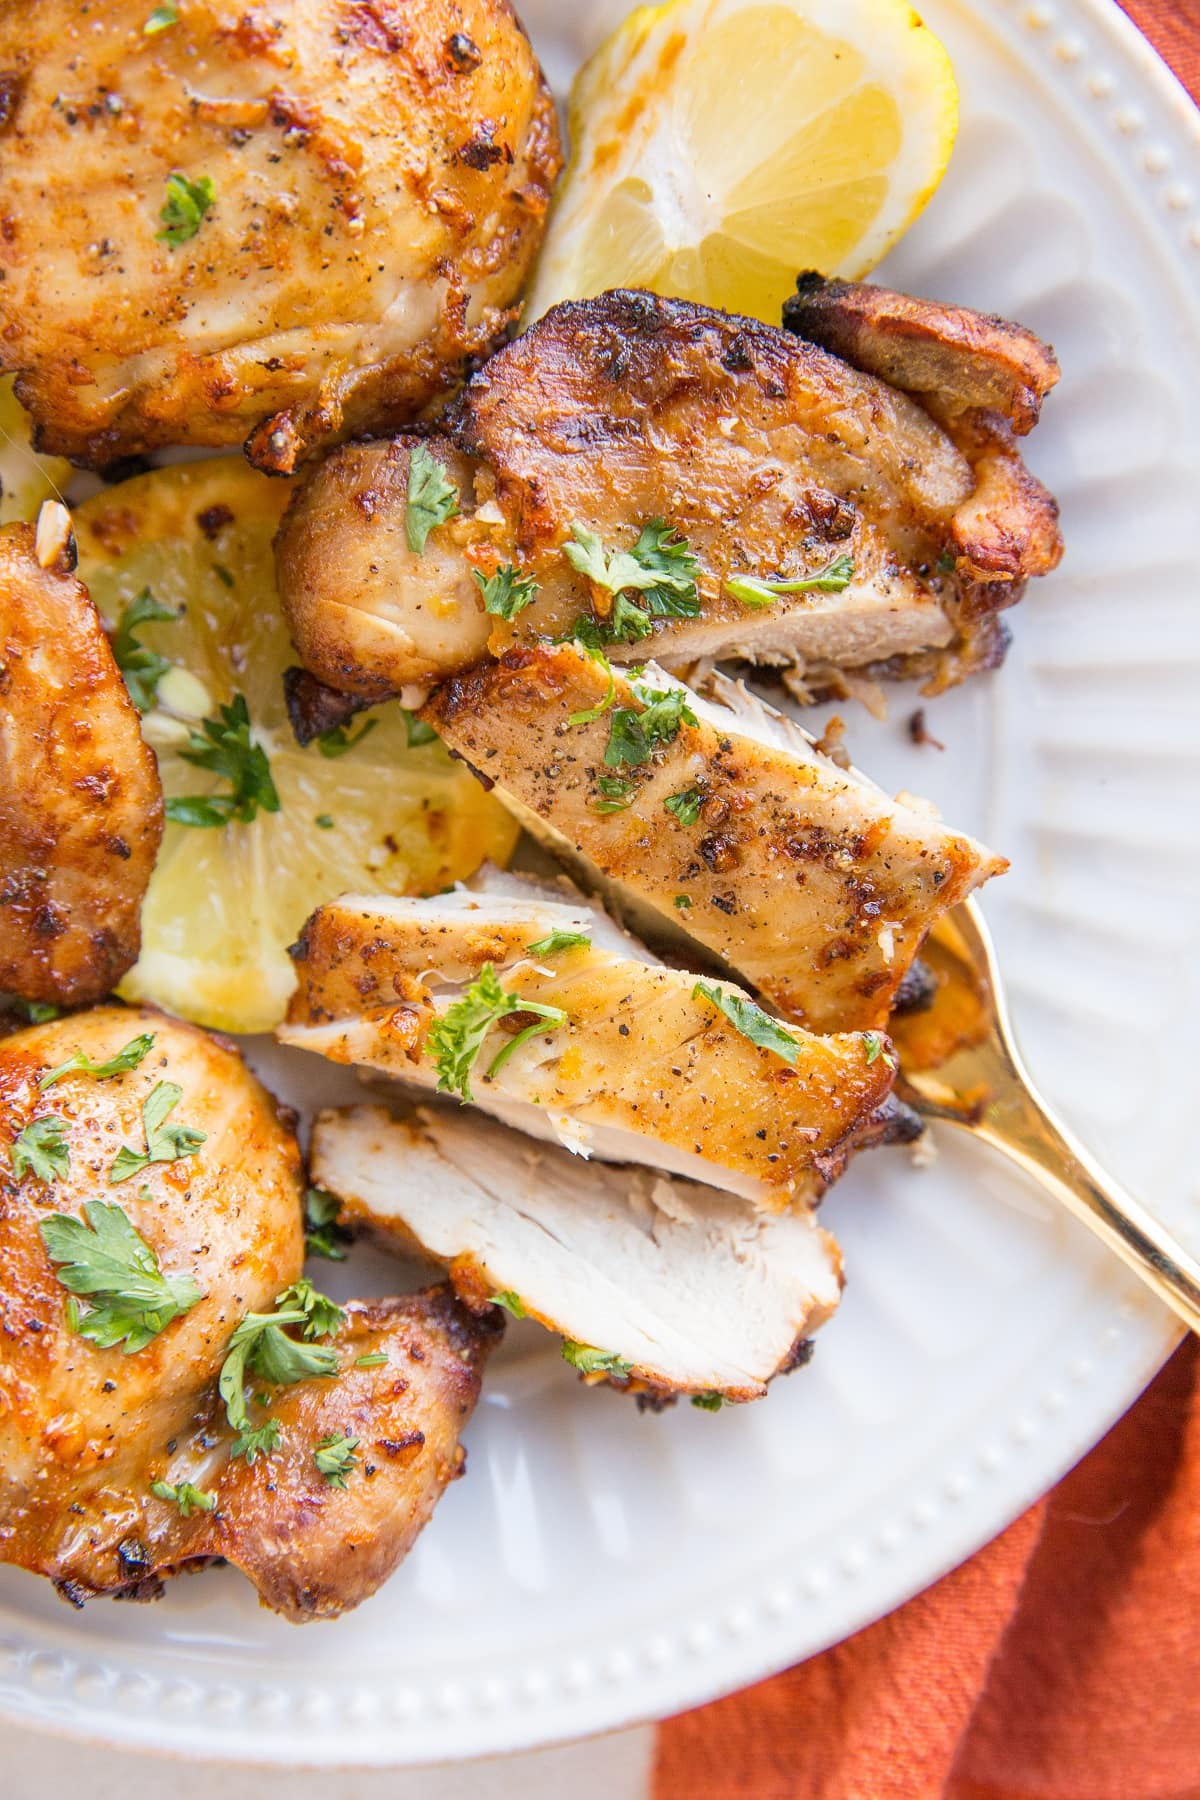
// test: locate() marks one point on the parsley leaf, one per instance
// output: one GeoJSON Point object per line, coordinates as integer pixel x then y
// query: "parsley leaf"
{"type": "Point", "coordinates": [187, 1498]}
{"type": "Point", "coordinates": [322, 1316]}
{"type": "Point", "coordinates": [186, 206]}
{"type": "Point", "coordinates": [336, 1457]}
{"type": "Point", "coordinates": [708, 1402]}
{"type": "Point", "coordinates": [752, 591]}
{"type": "Point", "coordinates": [418, 731]}
{"type": "Point", "coordinates": [506, 593]}
{"type": "Point", "coordinates": [225, 746]}
{"type": "Point", "coordinates": [160, 19]}
{"type": "Point", "coordinates": [164, 1143]}
{"type": "Point", "coordinates": [104, 1257]}
{"type": "Point", "coordinates": [261, 1346]}
{"type": "Point", "coordinates": [558, 940]}
{"type": "Point", "coordinates": [661, 568]}
{"type": "Point", "coordinates": [324, 821]}
{"type": "Point", "coordinates": [617, 791]}
{"type": "Point", "coordinates": [340, 738]}
{"type": "Point", "coordinates": [685, 806]}
{"type": "Point", "coordinates": [633, 735]}
{"type": "Point", "coordinates": [683, 901]}
{"type": "Point", "coordinates": [323, 1236]}
{"type": "Point", "coordinates": [750, 1020]}
{"type": "Point", "coordinates": [876, 1049]}
{"type": "Point", "coordinates": [39, 1149]}
{"type": "Point", "coordinates": [947, 562]}
{"type": "Point", "coordinates": [432, 498]}
{"type": "Point", "coordinates": [143, 669]}
{"type": "Point", "coordinates": [512, 1303]}
{"type": "Point", "coordinates": [375, 1359]}
{"type": "Point", "coordinates": [134, 1052]}
{"type": "Point", "coordinates": [256, 1441]}
{"type": "Point", "coordinates": [37, 1012]}
{"type": "Point", "coordinates": [458, 1036]}
{"type": "Point", "coordinates": [594, 1362]}
{"type": "Point", "coordinates": [591, 713]}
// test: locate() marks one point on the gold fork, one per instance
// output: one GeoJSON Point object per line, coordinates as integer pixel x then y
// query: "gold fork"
{"type": "Point", "coordinates": [959, 1062]}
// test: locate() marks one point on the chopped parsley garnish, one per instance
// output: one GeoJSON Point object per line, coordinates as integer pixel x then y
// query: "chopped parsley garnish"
{"type": "Point", "coordinates": [418, 731]}
{"type": "Point", "coordinates": [432, 498]}
{"type": "Point", "coordinates": [750, 1020]}
{"type": "Point", "coordinates": [558, 940]}
{"type": "Point", "coordinates": [685, 806]}
{"type": "Point", "coordinates": [374, 1359]}
{"type": "Point", "coordinates": [261, 1346]}
{"type": "Point", "coordinates": [223, 575]}
{"type": "Point", "coordinates": [323, 1236]}
{"type": "Point", "coordinates": [876, 1049]}
{"type": "Point", "coordinates": [164, 1143]}
{"type": "Point", "coordinates": [36, 1012]}
{"type": "Point", "coordinates": [590, 1361]}
{"type": "Point", "coordinates": [506, 593]}
{"type": "Point", "coordinates": [512, 1303]}
{"type": "Point", "coordinates": [134, 1052]}
{"type": "Point", "coordinates": [160, 19]}
{"type": "Point", "coordinates": [616, 793]}
{"type": "Point", "coordinates": [660, 568]}
{"type": "Point", "coordinates": [634, 735]}
{"type": "Point", "coordinates": [39, 1149]}
{"type": "Point", "coordinates": [752, 591]}
{"type": "Point", "coordinates": [458, 1037]}
{"type": "Point", "coordinates": [336, 1457]}
{"type": "Point", "coordinates": [143, 669]}
{"type": "Point", "coordinates": [947, 562]}
{"type": "Point", "coordinates": [591, 713]}
{"type": "Point", "coordinates": [104, 1257]}
{"type": "Point", "coordinates": [324, 821]}
{"type": "Point", "coordinates": [708, 1402]}
{"type": "Point", "coordinates": [683, 901]}
{"type": "Point", "coordinates": [340, 738]}
{"type": "Point", "coordinates": [187, 204]}
{"type": "Point", "coordinates": [187, 1498]}
{"type": "Point", "coordinates": [224, 746]}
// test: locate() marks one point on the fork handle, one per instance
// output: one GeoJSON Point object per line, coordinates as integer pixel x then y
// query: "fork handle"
{"type": "Point", "coordinates": [1021, 1126]}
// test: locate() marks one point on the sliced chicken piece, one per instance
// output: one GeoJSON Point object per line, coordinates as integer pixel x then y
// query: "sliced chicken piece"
{"type": "Point", "coordinates": [591, 1046]}
{"type": "Point", "coordinates": [802, 876]}
{"type": "Point", "coordinates": [81, 807]}
{"type": "Point", "coordinates": [688, 1290]}
{"type": "Point", "coordinates": [773, 459]}
{"type": "Point", "coordinates": [107, 1389]}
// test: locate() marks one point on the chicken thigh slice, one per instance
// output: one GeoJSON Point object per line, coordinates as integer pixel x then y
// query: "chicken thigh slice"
{"type": "Point", "coordinates": [284, 223]}
{"type": "Point", "coordinates": [81, 806]}
{"type": "Point", "coordinates": [685, 1289]}
{"type": "Point", "coordinates": [522, 1007]}
{"type": "Point", "coordinates": [207, 1232]}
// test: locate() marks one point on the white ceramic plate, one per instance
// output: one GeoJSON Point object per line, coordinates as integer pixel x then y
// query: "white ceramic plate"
{"type": "Point", "coordinates": [599, 1567]}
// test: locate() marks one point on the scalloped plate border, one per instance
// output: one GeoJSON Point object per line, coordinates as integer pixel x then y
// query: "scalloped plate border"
{"type": "Point", "coordinates": [728, 1638]}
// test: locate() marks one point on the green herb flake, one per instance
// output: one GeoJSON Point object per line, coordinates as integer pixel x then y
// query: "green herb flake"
{"type": "Point", "coordinates": [947, 562]}
{"type": "Point", "coordinates": [660, 568]}
{"type": "Point", "coordinates": [375, 1359]}
{"type": "Point", "coordinates": [683, 901]}
{"type": "Point", "coordinates": [223, 575]}
{"type": "Point", "coordinates": [590, 714]}
{"type": "Point", "coordinates": [143, 669]}
{"type": "Point", "coordinates": [224, 746]}
{"type": "Point", "coordinates": [418, 731]}
{"type": "Point", "coordinates": [39, 1150]}
{"type": "Point", "coordinates": [635, 734]}
{"type": "Point", "coordinates": [341, 738]}
{"type": "Point", "coordinates": [324, 821]}
{"type": "Point", "coordinates": [134, 1052]}
{"type": "Point", "coordinates": [590, 1361]}
{"type": "Point", "coordinates": [160, 19]}
{"type": "Point", "coordinates": [164, 1143]}
{"type": "Point", "coordinates": [187, 205]}
{"type": "Point", "coordinates": [708, 1402]}
{"type": "Point", "coordinates": [323, 1236]}
{"type": "Point", "coordinates": [876, 1048]}
{"type": "Point", "coordinates": [322, 1316]}
{"type": "Point", "coordinates": [750, 1020]}
{"type": "Point", "coordinates": [261, 1346]}
{"type": "Point", "coordinates": [559, 940]}
{"type": "Point", "coordinates": [106, 1259]}
{"type": "Point", "coordinates": [507, 592]}
{"type": "Point", "coordinates": [255, 1441]}
{"type": "Point", "coordinates": [458, 1036]}
{"type": "Point", "coordinates": [336, 1457]}
{"type": "Point", "coordinates": [752, 591]}
{"type": "Point", "coordinates": [616, 793]}
{"type": "Point", "coordinates": [512, 1303]}
{"type": "Point", "coordinates": [686, 805]}
{"type": "Point", "coordinates": [432, 498]}
{"type": "Point", "coordinates": [187, 1498]}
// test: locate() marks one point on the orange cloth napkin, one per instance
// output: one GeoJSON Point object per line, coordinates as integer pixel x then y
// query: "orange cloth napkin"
{"type": "Point", "coordinates": [1063, 1661]}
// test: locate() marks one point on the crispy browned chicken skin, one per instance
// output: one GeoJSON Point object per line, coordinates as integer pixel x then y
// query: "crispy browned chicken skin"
{"type": "Point", "coordinates": [772, 456]}
{"type": "Point", "coordinates": [85, 1431]}
{"type": "Point", "coordinates": [379, 180]}
{"type": "Point", "coordinates": [81, 809]}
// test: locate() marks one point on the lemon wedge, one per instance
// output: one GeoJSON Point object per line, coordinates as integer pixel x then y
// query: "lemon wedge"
{"type": "Point", "coordinates": [721, 146]}
{"type": "Point", "coordinates": [377, 807]}
{"type": "Point", "coordinates": [26, 479]}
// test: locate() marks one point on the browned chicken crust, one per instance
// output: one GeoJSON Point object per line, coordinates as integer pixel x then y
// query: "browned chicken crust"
{"type": "Point", "coordinates": [85, 1431]}
{"type": "Point", "coordinates": [81, 809]}
{"type": "Point", "coordinates": [379, 174]}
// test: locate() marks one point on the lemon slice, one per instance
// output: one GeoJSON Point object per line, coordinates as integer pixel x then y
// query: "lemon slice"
{"type": "Point", "coordinates": [721, 146]}
{"type": "Point", "coordinates": [381, 816]}
{"type": "Point", "coordinates": [26, 479]}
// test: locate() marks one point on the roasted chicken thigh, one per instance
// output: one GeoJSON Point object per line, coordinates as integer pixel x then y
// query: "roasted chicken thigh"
{"type": "Point", "coordinates": [280, 223]}
{"type": "Point", "coordinates": [150, 1208]}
